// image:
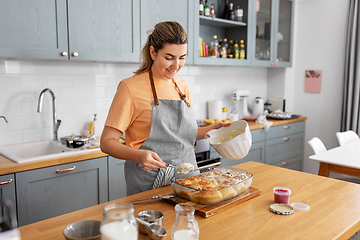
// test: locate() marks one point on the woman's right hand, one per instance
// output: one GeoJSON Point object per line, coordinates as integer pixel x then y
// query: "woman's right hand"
{"type": "Point", "coordinates": [150, 160]}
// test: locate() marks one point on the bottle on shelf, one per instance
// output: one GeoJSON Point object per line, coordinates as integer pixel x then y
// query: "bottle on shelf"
{"type": "Point", "coordinates": [225, 14]}
{"type": "Point", "coordinates": [206, 9]}
{"type": "Point", "coordinates": [214, 47]}
{"type": "Point", "coordinates": [235, 50]}
{"type": "Point", "coordinates": [225, 44]}
{"type": "Point", "coordinates": [201, 8]}
{"type": "Point", "coordinates": [212, 11]}
{"type": "Point", "coordinates": [242, 49]}
{"type": "Point", "coordinates": [228, 49]}
{"type": "Point", "coordinates": [231, 12]}
{"type": "Point", "coordinates": [239, 14]}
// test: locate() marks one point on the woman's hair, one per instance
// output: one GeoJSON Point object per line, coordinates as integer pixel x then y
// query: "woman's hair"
{"type": "Point", "coordinates": [164, 32]}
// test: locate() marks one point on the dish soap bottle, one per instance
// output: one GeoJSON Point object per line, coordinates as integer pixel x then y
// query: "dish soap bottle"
{"type": "Point", "coordinates": [91, 125]}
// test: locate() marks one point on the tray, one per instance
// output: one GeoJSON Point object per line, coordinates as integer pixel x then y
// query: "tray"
{"type": "Point", "coordinates": [210, 210]}
{"type": "Point", "coordinates": [282, 118]}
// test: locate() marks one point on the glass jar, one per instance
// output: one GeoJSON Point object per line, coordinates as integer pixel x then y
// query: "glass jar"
{"type": "Point", "coordinates": [185, 226]}
{"type": "Point", "coordinates": [118, 222]}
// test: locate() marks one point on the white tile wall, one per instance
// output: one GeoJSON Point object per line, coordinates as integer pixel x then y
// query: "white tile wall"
{"type": "Point", "coordinates": [83, 89]}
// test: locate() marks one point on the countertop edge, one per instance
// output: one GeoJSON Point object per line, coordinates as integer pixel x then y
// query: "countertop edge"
{"type": "Point", "coordinates": [8, 166]}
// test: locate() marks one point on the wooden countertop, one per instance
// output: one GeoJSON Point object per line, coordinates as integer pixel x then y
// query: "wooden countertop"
{"type": "Point", "coordinates": [7, 166]}
{"type": "Point", "coordinates": [334, 210]}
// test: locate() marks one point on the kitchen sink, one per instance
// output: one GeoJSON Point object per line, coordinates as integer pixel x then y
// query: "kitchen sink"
{"type": "Point", "coordinates": [43, 150]}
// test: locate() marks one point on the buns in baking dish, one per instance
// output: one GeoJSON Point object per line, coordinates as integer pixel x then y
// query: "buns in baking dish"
{"type": "Point", "coordinates": [213, 186]}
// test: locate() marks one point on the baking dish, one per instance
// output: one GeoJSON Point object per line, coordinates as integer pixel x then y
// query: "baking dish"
{"type": "Point", "coordinates": [212, 186]}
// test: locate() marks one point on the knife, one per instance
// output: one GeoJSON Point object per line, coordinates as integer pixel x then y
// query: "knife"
{"type": "Point", "coordinates": [154, 198]}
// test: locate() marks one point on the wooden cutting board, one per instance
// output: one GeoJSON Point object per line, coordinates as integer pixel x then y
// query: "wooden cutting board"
{"type": "Point", "coordinates": [210, 210]}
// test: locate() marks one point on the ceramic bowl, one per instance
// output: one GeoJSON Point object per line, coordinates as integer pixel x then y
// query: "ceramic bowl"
{"type": "Point", "coordinates": [236, 148]}
{"type": "Point", "coordinates": [84, 230]}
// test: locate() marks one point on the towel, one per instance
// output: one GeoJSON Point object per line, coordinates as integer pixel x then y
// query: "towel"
{"type": "Point", "coordinates": [262, 119]}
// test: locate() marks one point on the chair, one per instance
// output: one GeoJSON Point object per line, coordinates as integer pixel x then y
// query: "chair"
{"type": "Point", "coordinates": [317, 145]}
{"type": "Point", "coordinates": [347, 137]}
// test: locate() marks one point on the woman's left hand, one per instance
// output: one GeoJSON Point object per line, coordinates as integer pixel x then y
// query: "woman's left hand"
{"type": "Point", "coordinates": [203, 130]}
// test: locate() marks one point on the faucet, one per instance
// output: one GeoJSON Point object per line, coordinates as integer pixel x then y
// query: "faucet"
{"type": "Point", "coordinates": [4, 118]}
{"type": "Point", "coordinates": [56, 122]}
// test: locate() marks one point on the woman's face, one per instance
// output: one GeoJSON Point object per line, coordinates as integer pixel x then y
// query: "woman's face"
{"type": "Point", "coordinates": [168, 60]}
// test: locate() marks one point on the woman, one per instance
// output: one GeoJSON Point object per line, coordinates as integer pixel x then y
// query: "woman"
{"type": "Point", "coordinates": [153, 109]}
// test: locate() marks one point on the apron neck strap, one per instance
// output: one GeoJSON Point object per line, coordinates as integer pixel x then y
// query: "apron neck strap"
{"type": "Point", "coordinates": [153, 87]}
{"type": "Point", "coordinates": [182, 95]}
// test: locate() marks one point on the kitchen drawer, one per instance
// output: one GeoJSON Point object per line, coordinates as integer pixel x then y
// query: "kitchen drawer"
{"type": "Point", "coordinates": [282, 148]}
{"type": "Point", "coordinates": [291, 163]}
{"type": "Point", "coordinates": [256, 154]}
{"type": "Point", "coordinates": [44, 193]}
{"type": "Point", "coordinates": [285, 130]}
{"type": "Point", "coordinates": [258, 135]}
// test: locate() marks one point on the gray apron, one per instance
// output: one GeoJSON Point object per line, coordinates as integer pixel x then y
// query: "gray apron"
{"type": "Point", "coordinates": [172, 136]}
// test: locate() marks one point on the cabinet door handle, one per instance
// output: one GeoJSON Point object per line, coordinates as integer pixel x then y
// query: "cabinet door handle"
{"type": "Point", "coordinates": [285, 163]}
{"type": "Point", "coordinates": [275, 64]}
{"type": "Point", "coordinates": [64, 54]}
{"type": "Point", "coordinates": [6, 182]}
{"type": "Point", "coordinates": [75, 54]}
{"type": "Point", "coordinates": [272, 64]}
{"type": "Point", "coordinates": [286, 138]}
{"type": "Point", "coordinates": [287, 126]}
{"type": "Point", "coordinates": [66, 170]}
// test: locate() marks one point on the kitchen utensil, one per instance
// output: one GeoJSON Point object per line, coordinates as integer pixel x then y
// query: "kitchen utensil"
{"type": "Point", "coordinates": [206, 211]}
{"type": "Point", "coordinates": [181, 169]}
{"type": "Point", "coordinates": [149, 216]}
{"type": "Point", "coordinates": [236, 148]}
{"type": "Point", "coordinates": [257, 106]}
{"type": "Point", "coordinates": [155, 231]}
{"type": "Point", "coordinates": [84, 230]}
{"type": "Point", "coordinates": [153, 198]}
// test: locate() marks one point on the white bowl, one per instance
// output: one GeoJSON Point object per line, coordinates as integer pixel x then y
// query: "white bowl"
{"type": "Point", "coordinates": [236, 148]}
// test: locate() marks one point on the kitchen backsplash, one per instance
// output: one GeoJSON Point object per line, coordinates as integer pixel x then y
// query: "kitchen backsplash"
{"type": "Point", "coordinates": [84, 88]}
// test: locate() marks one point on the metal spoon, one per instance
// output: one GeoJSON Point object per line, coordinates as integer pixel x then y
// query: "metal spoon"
{"type": "Point", "coordinates": [154, 198]}
{"type": "Point", "coordinates": [182, 170]}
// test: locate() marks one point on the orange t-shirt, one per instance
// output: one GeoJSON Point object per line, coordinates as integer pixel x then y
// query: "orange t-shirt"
{"type": "Point", "coordinates": [131, 109]}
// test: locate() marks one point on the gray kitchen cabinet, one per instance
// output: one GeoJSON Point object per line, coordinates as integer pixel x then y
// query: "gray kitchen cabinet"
{"type": "Point", "coordinates": [48, 192]}
{"type": "Point", "coordinates": [116, 176]}
{"type": "Point", "coordinates": [7, 191]}
{"type": "Point", "coordinates": [155, 11]}
{"type": "Point", "coordinates": [272, 35]}
{"type": "Point", "coordinates": [207, 27]}
{"type": "Point", "coordinates": [78, 30]}
{"type": "Point", "coordinates": [285, 143]}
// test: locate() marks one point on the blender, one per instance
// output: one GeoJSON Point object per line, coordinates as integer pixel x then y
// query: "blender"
{"type": "Point", "coordinates": [240, 107]}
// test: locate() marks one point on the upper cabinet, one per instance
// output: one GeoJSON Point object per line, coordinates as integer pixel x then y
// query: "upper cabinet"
{"type": "Point", "coordinates": [233, 30]}
{"type": "Point", "coordinates": [89, 30]}
{"type": "Point", "coordinates": [155, 11]}
{"type": "Point", "coordinates": [272, 36]}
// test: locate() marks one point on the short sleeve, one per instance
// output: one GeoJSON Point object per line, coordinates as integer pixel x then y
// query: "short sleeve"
{"type": "Point", "coordinates": [121, 110]}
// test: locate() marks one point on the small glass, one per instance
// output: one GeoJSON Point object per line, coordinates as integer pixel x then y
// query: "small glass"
{"type": "Point", "coordinates": [185, 226]}
{"type": "Point", "coordinates": [118, 222]}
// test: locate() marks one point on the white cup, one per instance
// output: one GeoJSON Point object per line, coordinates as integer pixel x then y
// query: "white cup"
{"type": "Point", "coordinates": [233, 117]}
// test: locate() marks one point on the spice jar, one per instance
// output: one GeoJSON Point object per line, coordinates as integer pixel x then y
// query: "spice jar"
{"type": "Point", "coordinates": [118, 221]}
{"type": "Point", "coordinates": [185, 226]}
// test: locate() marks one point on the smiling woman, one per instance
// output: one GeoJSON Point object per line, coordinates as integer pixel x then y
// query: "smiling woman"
{"type": "Point", "coordinates": [153, 109]}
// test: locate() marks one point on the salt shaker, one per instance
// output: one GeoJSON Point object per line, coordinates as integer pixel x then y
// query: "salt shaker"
{"type": "Point", "coordinates": [118, 222]}
{"type": "Point", "coordinates": [185, 226]}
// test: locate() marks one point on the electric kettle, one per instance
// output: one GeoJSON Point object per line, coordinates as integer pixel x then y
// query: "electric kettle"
{"type": "Point", "coordinates": [258, 107]}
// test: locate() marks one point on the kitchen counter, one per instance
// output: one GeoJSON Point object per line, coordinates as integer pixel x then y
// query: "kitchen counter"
{"type": "Point", "coordinates": [8, 166]}
{"type": "Point", "coordinates": [334, 210]}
